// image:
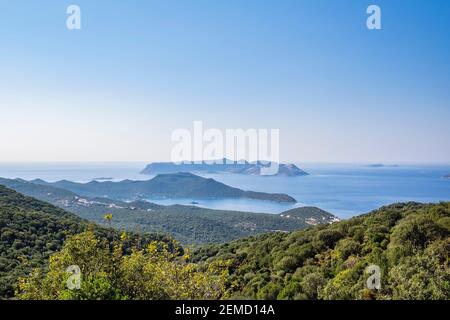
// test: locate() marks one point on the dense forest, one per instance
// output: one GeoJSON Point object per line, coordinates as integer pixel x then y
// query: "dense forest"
{"type": "Point", "coordinates": [192, 225]}
{"type": "Point", "coordinates": [409, 242]}
{"type": "Point", "coordinates": [32, 230]}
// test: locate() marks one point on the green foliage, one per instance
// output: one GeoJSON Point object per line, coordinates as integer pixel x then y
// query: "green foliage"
{"type": "Point", "coordinates": [155, 272]}
{"type": "Point", "coordinates": [190, 224]}
{"type": "Point", "coordinates": [32, 230]}
{"type": "Point", "coordinates": [311, 285]}
{"type": "Point", "coordinates": [424, 275]}
{"type": "Point", "coordinates": [409, 242]}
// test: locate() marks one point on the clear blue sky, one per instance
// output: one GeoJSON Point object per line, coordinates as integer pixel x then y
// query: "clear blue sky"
{"type": "Point", "coordinates": [137, 70]}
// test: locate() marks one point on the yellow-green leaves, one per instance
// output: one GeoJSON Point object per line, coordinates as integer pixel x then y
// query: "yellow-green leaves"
{"type": "Point", "coordinates": [156, 272]}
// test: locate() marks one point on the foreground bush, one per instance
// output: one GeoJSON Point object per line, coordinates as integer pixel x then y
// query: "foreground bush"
{"type": "Point", "coordinates": [154, 272]}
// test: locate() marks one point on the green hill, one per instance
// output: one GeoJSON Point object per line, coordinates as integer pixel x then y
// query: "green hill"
{"type": "Point", "coordinates": [188, 224]}
{"type": "Point", "coordinates": [177, 185]}
{"type": "Point", "coordinates": [195, 225]}
{"type": "Point", "coordinates": [31, 230]}
{"type": "Point", "coordinates": [37, 190]}
{"type": "Point", "coordinates": [409, 242]}
{"type": "Point", "coordinates": [310, 215]}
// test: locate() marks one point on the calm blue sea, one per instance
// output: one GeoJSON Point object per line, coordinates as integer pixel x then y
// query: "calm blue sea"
{"type": "Point", "coordinates": [344, 190]}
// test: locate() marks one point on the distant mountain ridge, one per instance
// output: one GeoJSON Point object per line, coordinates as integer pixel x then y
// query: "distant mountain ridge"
{"type": "Point", "coordinates": [188, 224]}
{"type": "Point", "coordinates": [221, 166]}
{"type": "Point", "coordinates": [178, 185]}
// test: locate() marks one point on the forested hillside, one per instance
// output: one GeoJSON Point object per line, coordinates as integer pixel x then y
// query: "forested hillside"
{"type": "Point", "coordinates": [409, 242]}
{"type": "Point", "coordinates": [195, 225]}
{"type": "Point", "coordinates": [31, 230]}
{"type": "Point", "coordinates": [187, 224]}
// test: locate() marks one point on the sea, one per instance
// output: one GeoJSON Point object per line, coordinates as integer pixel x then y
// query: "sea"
{"type": "Point", "coordinates": [344, 190]}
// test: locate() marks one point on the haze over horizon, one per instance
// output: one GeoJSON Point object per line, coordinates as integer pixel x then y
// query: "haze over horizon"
{"type": "Point", "coordinates": [115, 90]}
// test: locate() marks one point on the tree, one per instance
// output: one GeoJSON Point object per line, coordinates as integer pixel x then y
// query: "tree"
{"type": "Point", "coordinates": [155, 272]}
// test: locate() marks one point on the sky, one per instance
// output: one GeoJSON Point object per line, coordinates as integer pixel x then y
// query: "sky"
{"type": "Point", "coordinates": [138, 70]}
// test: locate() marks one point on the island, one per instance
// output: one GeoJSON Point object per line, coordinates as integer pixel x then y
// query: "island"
{"type": "Point", "coordinates": [182, 185]}
{"type": "Point", "coordinates": [381, 165]}
{"type": "Point", "coordinates": [221, 166]}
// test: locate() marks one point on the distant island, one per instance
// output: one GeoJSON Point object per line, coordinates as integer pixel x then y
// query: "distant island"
{"type": "Point", "coordinates": [447, 176]}
{"type": "Point", "coordinates": [103, 178]}
{"type": "Point", "coordinates": [164, 186]}
{"type": "Point", "coordinates": [221, 166]}
{"type": "Point", "coordinates": [381, 165]}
